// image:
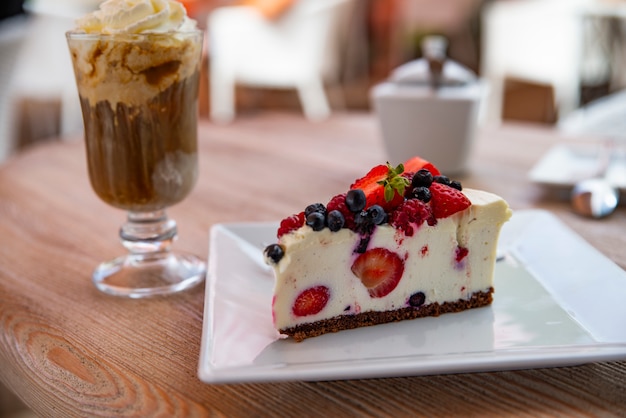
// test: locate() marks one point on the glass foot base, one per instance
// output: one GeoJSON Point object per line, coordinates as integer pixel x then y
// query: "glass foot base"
{"type": "Point", "coordinates": [140, 276]}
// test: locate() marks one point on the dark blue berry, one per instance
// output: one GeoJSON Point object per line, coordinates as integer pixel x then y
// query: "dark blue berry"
{"type": "Point", "coordinates": [377, 214]}
{"type": "Point", "coordinates": [355, 200]}
{"type": "Point", "coordinates": [335, 220]}
{"type": "Point", "coordinates": [274, 252]}
{"type": "Point", "coordinates": [442, 179]}
{"type": "Point", "coordinates": [423, 178]}
{"type": "Point", "coordinates": [417, 299]}
{"type": "Point", "coordinates": [315, 207]}
{"type": "Point", "coordinates": [456, 185]}
{"type": "Point", "coordinates": [422, 193]}
{"type": "Point", "coordinates": [316, 221]}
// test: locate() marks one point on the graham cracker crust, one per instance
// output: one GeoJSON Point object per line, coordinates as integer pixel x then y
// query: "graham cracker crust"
{"type": "Point", "coordinates": [365, 319]}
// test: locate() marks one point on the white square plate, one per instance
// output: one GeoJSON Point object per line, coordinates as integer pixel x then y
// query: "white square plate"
{"type": "Point", "coordinates": [558, 301]}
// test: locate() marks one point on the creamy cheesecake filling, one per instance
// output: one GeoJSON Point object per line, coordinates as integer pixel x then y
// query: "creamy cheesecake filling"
{"type": "Point", "coordinates": [449, 261]}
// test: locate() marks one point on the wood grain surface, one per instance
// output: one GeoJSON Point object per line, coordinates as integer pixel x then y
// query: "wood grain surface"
{"type": "Point", "coordinates": [69, 351]}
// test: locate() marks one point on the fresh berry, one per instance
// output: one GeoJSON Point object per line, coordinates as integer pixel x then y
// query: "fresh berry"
{"type": "Point", "coordinates": [339, 203]}
{"type": "Point", "coordinates": [274, 252]}
{"type": "Point", "coordinates": [411, 214]}
{"type": "Point", "coordinates": [380, 271]}
{"type": "Point", "coordinates": [290, 224]}
{"type": "Point", "coordinates": [311, 301]}
{"type": "Point", "coordinates": [355, 200]}
{"type": "Point", "coordinates": [335, 220]}
{"type": "Point", "coordinates": [456, 185]}
{"type": "Point", "coordinates": [377, 214]}
{"type": "Point", "coordinates": [316, 220]}
{"type": "Point", "coordinates": [422, 193]}
{"type": "Point", "coordinates": [383, 185]}
{"type": "Point", "coordinates": [315, 207]}
{"type": "Point", "coordinates": [441, 180]}
{"type": "Point", "coordinates": [447, 200]}
{"type": "Point", "coordinates": [417, 299]}
{"type": "Point", "coordinates": [422, 178]}
{"type": "Point", "coordinates": [416, 163]}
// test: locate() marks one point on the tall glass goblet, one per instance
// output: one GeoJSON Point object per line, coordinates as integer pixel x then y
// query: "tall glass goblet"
{"type": "Point", "coordinates": [139, 99]}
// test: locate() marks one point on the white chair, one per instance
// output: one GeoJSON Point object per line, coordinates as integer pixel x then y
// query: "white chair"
{"type": "Point", "coordinates": [534, 40]}
{"type": "Point", "coordinates": [298, 50]}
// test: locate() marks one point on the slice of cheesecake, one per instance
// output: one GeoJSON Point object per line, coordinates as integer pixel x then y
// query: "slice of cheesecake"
{"type": "Point", "coordinates": [402, 243]}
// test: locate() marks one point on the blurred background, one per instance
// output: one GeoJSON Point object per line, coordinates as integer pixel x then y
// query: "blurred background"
{"type": "Point", "coordinates": [542, 59]}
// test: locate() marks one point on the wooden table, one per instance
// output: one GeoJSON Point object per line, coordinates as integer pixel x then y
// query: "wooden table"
{"type": "Point", "coordinates": [68, 350]}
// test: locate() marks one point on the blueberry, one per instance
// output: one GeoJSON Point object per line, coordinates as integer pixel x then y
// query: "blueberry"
{"type": "Point", "coordinates": [456, 185]}
{"type": "Point", "coordinates": [422, 193]}
{"type": "Point", "coordinates": [335, 220]}
{"type": "Point", "coordinates": [442, 179]}
{"type": "Point", "coordinates": [377, 214]}
{"type": "Point", "coordinates": [315, 207]}
{"type": "Point", "coordinates": [316, 220]}
{"type": "Point", "coordinates": [417, 299]}
{"type": "Point", "coordinates": [355, 200]}
{"type": "Point", "coordinates": [274, 252]}
{"type": "Point", "coordinates": [423, 178]}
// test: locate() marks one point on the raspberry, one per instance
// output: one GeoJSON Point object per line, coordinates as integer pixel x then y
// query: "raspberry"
{"type": "Point", "coordinates": [290, 224]}
{"type": "Point", "coordinates": [339, 203]}
{"type": "Point", "coordinates": [411, 213]}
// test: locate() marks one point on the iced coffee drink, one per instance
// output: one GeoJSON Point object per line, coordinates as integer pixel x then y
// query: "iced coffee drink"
{"type": "Point", "coordinates": [137, 68]}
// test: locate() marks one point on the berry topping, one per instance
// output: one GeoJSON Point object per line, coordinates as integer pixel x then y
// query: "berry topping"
{"type": "Point", "coordinates": [422, 193]}
{"type": "Point", "coordinates": [441, 180]}
{"type": "Point", "coordinates": [411, 214]}
{"type": "Point", "coordinates": [311, 301]}
{"type": "Point", "coordinates": [383, 185]}
{"type": "Point", "coordinates": [416, 163]}
{"type": "Point", "coordinates": [355, 200]}
{"type": "Point", "coordinates": [423, 178]}
{"type": "Point", "coordinates": [339, 203]}
{"type": "Point", "coordinates": [380, 271]}
{"type": "Point", "coordinates": [456, 185]}
{"type": "Point", "coordinates": [274, 252]}
{"type": "Point", "coordinates": [447, 200]}
{"type": "Point", "coordinates": [417, 299]}
{"type": "Point", "coordinates": [335, 220]}
{"type": "Point", "coordinates": [316, 220]}
{"type": "Point", "coordinates": [290, 224]}
{"type": "Point", "coordinates": [313, 208]}
{"type": "Point", "coordinates": [377, 214]}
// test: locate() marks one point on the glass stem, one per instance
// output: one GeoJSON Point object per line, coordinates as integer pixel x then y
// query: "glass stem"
{"type": "Point", "coordinates": [146, 233]}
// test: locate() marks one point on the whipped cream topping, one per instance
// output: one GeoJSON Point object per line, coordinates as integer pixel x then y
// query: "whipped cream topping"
{"type": "Point", "coordinates": [137, 16]}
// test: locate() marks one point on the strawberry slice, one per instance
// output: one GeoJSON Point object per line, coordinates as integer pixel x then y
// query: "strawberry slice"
{"type": "Point", "coordinates": [382, 186]}
{"type": "Point", "coordinates": [447, 200]}
{"type": "Point", "coordinates": [413, 165]}
{"type": "Point", "coordinates": [311, 301]}
{"type": "Point", "coordinates": [380, 271]}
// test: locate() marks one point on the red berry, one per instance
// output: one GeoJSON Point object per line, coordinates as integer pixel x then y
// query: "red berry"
{"type": "Point", "coordinates": [311, 301]}
{"type": "Point", "coordinates": [447, 201]}
{"type": "Point", "coordinates": [375, 191]}
{"type": "Point", "coordinates": [412, 212]}
{"type": "Point", "coordinates": [380, 271]}
{"type": "Point", "coordinates": [290, 224]}
{"type": "Point", "coordinates": [339, 203]}
{"type": "Point", "coordinates": [416, 163]}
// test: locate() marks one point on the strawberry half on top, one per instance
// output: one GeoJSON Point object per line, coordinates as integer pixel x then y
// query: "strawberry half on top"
{"type": "Point", "coordinates": [385, 185]}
